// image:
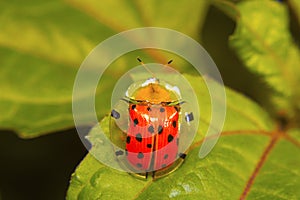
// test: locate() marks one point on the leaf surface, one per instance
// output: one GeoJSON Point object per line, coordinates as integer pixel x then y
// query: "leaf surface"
{"type": "Point", "coordinates": [268, 50]}
{"type": "Point", "coordinates": [42, 45]}
{"type": "Point", "coordinates": [249, 156]}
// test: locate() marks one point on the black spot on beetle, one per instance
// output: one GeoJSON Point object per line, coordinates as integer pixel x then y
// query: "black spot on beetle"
{"type": "Point", "coordinates": [128, 139]}
{"type": "Point", "coordinates": [170, 138]}
{"type": "Point", "coordinates": [160, 129]}
{"type": "Point", "coordinates": [151, 129]}
{"type": "Point", "coordinates": [174, 124]}
{"type": "Point", "coordinates": [162, 109]}
{"type": "Point", "coordinates": [139, 137]}
{"type": "Point", "coordinates": [133, 107]}
{"type": "Point", "coordinates": [149, 145]}
{"type": "Point", "coordinates": [163, 165]}
{"type": "Point", "coordinates": [140, 155]}
{"type": "Point", "coordinates": [135, 121]}
{"type": "Point", "coordinates": [139, 165]}
{"type": "Point", "coordinates": [166, 156]}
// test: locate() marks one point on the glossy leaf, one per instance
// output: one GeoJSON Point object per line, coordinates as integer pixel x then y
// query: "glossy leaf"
{"type": "Point", "coordinates": [250, 156]}
{"type": "Point", "coordinates": [268, 50]}
{"type": "Point", "coordinates": [42, 45]}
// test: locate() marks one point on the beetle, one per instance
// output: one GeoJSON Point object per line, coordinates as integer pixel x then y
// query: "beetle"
{"type": "Point", "coordinates": [153, 133]}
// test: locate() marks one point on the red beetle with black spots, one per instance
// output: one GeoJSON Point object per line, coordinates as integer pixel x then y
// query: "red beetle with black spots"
{"type": "Point", "coordinates": [153, 133]}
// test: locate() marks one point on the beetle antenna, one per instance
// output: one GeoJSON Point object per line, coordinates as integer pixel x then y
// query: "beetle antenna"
{"type": "Point", "coordinates": [143, 64]}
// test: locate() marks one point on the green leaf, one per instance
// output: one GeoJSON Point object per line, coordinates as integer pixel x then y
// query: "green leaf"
{"type": "Point", "coordinates": [250, 156]}
{"type": "Point", "coordinates": [295, 135]}
{"type": "Point", "coordinates": [43, 43]}
{"type": "Point", "coordinates": [279, 177]}
{"type": "Point", "coordinates": [268, 49]}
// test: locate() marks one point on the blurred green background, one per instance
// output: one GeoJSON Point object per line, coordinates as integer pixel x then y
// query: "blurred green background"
{"type": "Point", "coordinates": [40, 168]}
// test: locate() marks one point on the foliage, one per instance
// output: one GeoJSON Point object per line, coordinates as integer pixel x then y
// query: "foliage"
{"type": "Point", "coordinates": [257, 157]}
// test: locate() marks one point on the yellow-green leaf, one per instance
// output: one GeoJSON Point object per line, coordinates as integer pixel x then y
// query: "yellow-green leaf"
{"type": "Point", "coordinates": [252, 159]}
{"type": "Point", "coordinates": [42, 45]}
{"type": "Point", "coordinates": [262, 40]}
